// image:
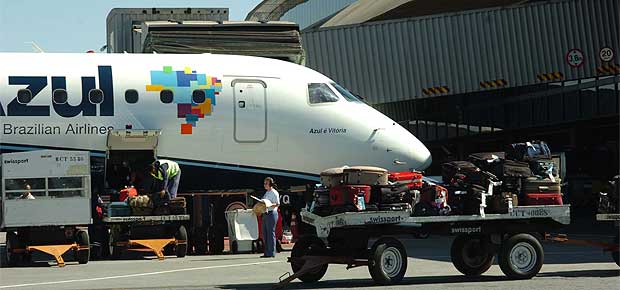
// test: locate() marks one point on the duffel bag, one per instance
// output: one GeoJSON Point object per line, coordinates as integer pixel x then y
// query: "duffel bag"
{"type": "Point", "coordinates": [526, 151]}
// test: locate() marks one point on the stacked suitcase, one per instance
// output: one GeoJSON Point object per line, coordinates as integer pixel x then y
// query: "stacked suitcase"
{"type": "Point", "coordinates": [364, 188]}
{"type": "Point", "coordinates": [347, 189]}
{"type": "Point", "coordinates": [469, 187]}
{"type": "Point", "coordinates": [543, 186]}
{"type": "Point", "coordinates": [525, 172]}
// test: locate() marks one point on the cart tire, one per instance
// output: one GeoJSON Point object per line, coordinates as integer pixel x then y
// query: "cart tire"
{"type": "Point", "coordinates": [387, 263]}
{"type": "Point", "coordinates": [181, 249]}
{"type": "Point", "coordinates": [471, 254]}
{"type": "Point", "coordinates": [234, 247]}
{"type": "Point", "coordinates": [521, 256]}
{"type": "Point", "coordinates": [82, 239]}
{"type": "Point", "coordinates": [12, 242]}
{"type": "Point", "coordinates": [115, 251]}
{"type": "Point", "coordinates": [304, 247]}
{"type": "Point", "coordinates": [614, 254]}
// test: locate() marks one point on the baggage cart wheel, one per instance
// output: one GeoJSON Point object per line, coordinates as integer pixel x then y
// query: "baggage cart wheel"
{"type": "Point", "coordinates": [12, 242]}
{"type": "Point", "coordinates": [471, 254]}
{"type": "Point", "coordinates": [181, 235]}
{"type": "Point", "coordinates": [308, 246]}
{"type": "Point", "coordinates": [82, 239]}
{"type": "Point", "coordinates": [521, 256]}
{"type": "Point", "coordinates": [114, 250]}
{"type": "Point", "coordinates": [387, 263]}
{"type": "Point", "coordinates": [614, 254]}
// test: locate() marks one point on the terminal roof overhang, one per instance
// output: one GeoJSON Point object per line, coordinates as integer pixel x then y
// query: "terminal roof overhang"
{"type": "Point", "coordinates": [270, 10]}
{"type": "Point", "coordinates": [372, 10]}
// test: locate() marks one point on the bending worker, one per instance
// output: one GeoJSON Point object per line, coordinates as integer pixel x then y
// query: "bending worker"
{"type": "Point", "coordinates": [270, 218]}
{"type": "Point", "coordinates": [169, 173]}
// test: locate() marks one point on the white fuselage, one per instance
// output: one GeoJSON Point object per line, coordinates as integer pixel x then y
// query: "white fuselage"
{"type": "Point", "coordinates": [259, 114]}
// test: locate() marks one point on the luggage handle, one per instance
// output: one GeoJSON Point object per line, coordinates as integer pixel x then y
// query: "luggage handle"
{"type": "Point", "coordinates": [542, 187]}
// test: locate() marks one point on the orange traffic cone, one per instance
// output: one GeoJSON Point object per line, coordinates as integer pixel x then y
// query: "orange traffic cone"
{"type": "Point", "coordinates": [294, 227]}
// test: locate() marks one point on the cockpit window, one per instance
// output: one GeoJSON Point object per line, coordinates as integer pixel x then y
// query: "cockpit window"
{"type": "Point", "coordinates": [346, 94]}
{"type": "Point", "coordinates": [321, 93]}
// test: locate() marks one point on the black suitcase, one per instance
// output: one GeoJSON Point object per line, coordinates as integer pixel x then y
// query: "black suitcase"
{"type": "Point", "coordinates": [394, 207]}
{"type": "Point", "coordinates": [321, 196]}
{"type": "Point", "coordinates": [492, 162]}
{"type": "Point", "coordinates": [450, 169]}
{"type": "Point", "coordinates": [516, 169]}
{"type": "Point", "coordinates": [535, 185]}
{"type": "Point", "coordinates": [512, 184]}
{"type": "Point", "coordinates": [390, 194]}
{"type": "Point", "coordinates": [465, 200]}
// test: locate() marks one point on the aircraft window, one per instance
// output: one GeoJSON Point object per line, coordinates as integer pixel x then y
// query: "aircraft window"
{"type": "Point", "coordinates": [166, 96]}
{"type": "Point", "coordinates": [199, 96]}
{"type": "Point", "coordinates": [346, 93]}
{"type": "Point", "coordinates": [95, 96]}
{"type": "Point", "coordinates": [59, 96]}
{"type": "Point", "coordinates": [321, 93]}
{"type": "Point", "coordinates": [24, 96]}
{"type": "Point", "coordinates": [131, 96]}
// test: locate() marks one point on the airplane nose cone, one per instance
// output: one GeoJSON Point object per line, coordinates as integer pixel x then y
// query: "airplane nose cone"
{"type": "Point", "coordinates": [421, 155]}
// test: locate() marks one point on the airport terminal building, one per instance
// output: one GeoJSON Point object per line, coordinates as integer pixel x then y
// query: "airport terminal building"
{"type": "Point", "coordinates": [474, 77]}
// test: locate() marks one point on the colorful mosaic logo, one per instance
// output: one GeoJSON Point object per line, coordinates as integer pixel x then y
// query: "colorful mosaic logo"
{"type": "Point", "coordinates": [182, 83]}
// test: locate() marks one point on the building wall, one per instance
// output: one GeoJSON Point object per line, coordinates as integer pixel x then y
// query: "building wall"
{"type": "Point", "coordinates": [120, 23]}
{"type": "Point", "coordinates": [310, 12]}
{"type": "Point", "coordinates": [405, 59]}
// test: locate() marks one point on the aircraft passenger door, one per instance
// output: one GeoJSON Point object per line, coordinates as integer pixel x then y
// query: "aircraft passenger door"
{"type": "Point", "coordinates": [250, 101]}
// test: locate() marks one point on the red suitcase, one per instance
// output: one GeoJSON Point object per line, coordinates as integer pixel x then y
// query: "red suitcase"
{"type": "Point", "coordinates": [543, 199]}
{"type": "Point", "coordinates": [405, 177]}
{"type": "Point", "coordinates": [347, 194]}
{"type": "Point", "coordinates": [435, 195]}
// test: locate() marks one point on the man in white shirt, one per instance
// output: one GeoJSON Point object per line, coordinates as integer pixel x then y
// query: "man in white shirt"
{"type": "Point", "coordinates": [27, 194]}
{"type": "Point", "coordinates": [270, 218]}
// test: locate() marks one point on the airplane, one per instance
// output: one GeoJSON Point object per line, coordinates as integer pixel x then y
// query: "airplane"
{"type": "Point", "coordinates": [228, 120]}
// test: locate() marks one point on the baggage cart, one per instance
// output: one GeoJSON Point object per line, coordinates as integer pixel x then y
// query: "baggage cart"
{"type": "Point", "coordinates": [46, 204]}
{"type": "Point", "coordinates": [147, 234]}
{"type": "Point", "coordinates": [371, 239]}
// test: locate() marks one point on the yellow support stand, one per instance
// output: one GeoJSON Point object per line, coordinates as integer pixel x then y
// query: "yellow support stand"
{"type": "Point", "coordinates": [152, 245]}
{"type": "Point", "coordinates": [56, 251]}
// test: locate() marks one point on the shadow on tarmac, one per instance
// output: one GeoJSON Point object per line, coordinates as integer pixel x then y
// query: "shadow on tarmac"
{"type": "Point", "coordinates": [411, 281]}
{"type": "Point", "coordinates": [582, 273]}
{"type": "Point", "coordinates": [358, 283]}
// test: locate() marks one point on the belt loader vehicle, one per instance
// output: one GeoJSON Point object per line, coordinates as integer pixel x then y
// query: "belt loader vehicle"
{"type": "Point", "coordinates": [46, 204]}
